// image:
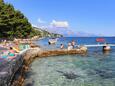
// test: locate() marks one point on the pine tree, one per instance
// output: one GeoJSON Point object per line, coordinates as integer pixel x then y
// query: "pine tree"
{"type": "Point", "coordinates": [1, 1]}
{"type": "Point", "coordinates": [12, 22]}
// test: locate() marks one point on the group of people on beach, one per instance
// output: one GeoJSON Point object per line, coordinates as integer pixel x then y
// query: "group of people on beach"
{"type": "Point", "coordinates": [11, 48]}
{"type": "Point", "coordinates": [8, 54]}
{"type": "Point", "coordinates": [71, 45]}
{"type": "Point", "coordinates": [9, 51]}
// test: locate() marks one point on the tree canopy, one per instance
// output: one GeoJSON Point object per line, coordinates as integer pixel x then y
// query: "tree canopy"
{"type": "Point", "coordinates": [13, 23]}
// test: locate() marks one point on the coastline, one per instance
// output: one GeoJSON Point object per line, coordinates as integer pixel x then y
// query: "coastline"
{"type": "Point", "coordinates": [28, 56]}
{"type": "Point", "coordinates": [25, 57]}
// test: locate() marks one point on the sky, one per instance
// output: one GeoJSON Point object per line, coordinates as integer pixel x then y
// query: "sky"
{"type": "Point", "coordinates": [91, 16]}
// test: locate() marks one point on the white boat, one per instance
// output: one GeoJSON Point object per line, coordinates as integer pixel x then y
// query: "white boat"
{"type": "Point", "coordinates": [52, 41]}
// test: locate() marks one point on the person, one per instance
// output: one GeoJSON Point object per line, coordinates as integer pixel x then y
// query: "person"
{"type": "Point", "coordinates": [73, 43]}
{"type": "Point", "coordinates": [16, 47]}
{"type": "Point", "coordinates": [69, 46]}
{"type": "Point", "coordinates": [11, 52]}
{"type": "Point", "coordinates": [106, 47]}
{"type": "Point", "coordinates": [4, 41]}
{"type": "Point", "coordinates": [4, 54]}
{"type": "Point", "coordinates": [62, 46]}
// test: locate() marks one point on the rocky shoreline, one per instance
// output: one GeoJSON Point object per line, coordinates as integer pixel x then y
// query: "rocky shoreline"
{"type": "Point", "coordinates": [16, 71]}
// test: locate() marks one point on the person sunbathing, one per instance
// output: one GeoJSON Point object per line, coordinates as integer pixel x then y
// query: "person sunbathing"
{"type": "Point", "coordinates": [4, 54]}
{"type": "Point", "coordinates": [11, 54]}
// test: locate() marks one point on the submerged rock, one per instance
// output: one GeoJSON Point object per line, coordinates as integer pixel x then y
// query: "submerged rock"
{"type": "Point", "coordinates": [28, 82]}
{"type": "Point", "coordinates": [105, 74]}
{"type": "Point", "coordinates": [69, 75]}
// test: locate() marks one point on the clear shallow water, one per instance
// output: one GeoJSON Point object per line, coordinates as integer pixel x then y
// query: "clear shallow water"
{"type": "Point", "coordinates": [93, 69]}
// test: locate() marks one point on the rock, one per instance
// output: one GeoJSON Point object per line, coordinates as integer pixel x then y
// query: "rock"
{"type": "Point", "coordinates": [69, 75]}
{"type": "Point", "coordinates": [83, 48]}
{"type": "Point", "coordinates": [28, 82]}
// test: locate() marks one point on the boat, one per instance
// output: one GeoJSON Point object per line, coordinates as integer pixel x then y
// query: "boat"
{"type": "Point", "coordinates": [106, 47]}
{"type": "Point", "coordinates": [100, 40]}
{"type": "Point", "coordinates": [52, 41]}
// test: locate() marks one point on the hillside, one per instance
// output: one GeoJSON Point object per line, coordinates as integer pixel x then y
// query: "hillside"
{"type": "Point", "coordinates": [43, 33]}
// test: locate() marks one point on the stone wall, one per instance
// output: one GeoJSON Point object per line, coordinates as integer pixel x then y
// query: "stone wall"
{"type": "Point", "coordinates": [31, 54]}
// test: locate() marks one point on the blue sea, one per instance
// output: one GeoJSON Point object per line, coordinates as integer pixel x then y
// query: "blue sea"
{"type": "Point", "coordinates": [95, 68]}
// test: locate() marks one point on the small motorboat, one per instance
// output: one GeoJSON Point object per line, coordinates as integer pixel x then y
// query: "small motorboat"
{"type": "Point", "coordinates": [52, 41]}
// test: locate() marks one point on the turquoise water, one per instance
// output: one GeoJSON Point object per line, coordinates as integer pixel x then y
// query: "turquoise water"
{"type": "Point", "coordinates": [96, 68]}
{"type": "Point", "coordinates": [75, 70]}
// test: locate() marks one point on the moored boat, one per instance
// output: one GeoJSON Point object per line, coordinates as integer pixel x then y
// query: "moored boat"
{"type": "Point", "coordinates": [100, 40]}
{"type": "Point", "coordinates": [52, 41]}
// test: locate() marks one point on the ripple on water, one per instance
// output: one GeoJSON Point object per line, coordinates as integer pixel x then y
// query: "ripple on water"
{"type": "Point", "coordinates": [73, 71]}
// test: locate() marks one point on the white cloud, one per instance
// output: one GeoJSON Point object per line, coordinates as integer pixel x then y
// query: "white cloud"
{"type": "Point", "coordinates": [41, 21]}
{"type": "Point", "coordinates": [60, 24]}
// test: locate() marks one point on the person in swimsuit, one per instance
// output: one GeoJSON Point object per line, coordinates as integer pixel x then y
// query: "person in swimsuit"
{"type": "Point", "coordinates": [11, 52]}
{"type": "Point", "coordinates": [73, 43]}
{"type": "Point", "coordinates": [69, 46]}
{"type": "Point", "coordinates": [62, 46]}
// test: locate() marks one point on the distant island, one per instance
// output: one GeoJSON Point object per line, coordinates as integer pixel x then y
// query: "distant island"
{"type": "Point", "coordinates": [68, 32]}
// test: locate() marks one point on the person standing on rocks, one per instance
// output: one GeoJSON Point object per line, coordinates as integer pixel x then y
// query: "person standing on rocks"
{"type": "Point", "coordinates": [73, 43]}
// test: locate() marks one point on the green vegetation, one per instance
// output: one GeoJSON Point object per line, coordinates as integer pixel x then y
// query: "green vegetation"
{"type": "Point", "coordinates": [13, 24]}
{"type": "Point", "coordinates": [44, 33]}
